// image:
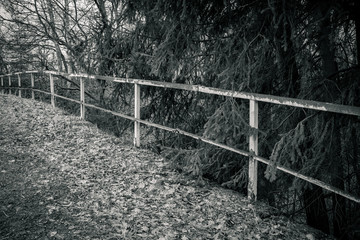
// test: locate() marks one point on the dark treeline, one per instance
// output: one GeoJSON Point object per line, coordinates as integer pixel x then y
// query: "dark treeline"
{"type": "Point", "coordinates": [301, 49]}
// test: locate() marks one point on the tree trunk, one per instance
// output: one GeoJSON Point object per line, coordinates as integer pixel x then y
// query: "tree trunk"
{"type": "Point", "coordinates": [355, 14]}
{"type": "Point", "coordinates": [104, 45]}
{"type": "Point", "coordinates": [289, 77]}
{"type": "Point", "coordinates": [330, 68]}
{"type": "Point", "coordinates": [315, 208]}
{"type": "Point", "coordinates": [59, 55]}
{"type": "Point", "coordinates": [289, 73]}
{"type": "Point", "coordinates": [326, 48]}
{"type": "Point", "coordinates": [337, 180]}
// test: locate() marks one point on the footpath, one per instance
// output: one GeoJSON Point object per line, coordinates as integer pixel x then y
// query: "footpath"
{"type": "Point", "coordinates": [62, 178]}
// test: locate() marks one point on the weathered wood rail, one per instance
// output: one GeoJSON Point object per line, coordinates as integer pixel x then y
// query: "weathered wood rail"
{"type": "Point", "coordinates": [253, 98]}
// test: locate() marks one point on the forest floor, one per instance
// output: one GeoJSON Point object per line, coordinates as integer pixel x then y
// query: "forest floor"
{"type": "Point", "coordinates": [62, 178]}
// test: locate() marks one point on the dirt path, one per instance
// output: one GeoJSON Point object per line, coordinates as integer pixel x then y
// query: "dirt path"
{"type": "Point", "coordinates": [62, 178]}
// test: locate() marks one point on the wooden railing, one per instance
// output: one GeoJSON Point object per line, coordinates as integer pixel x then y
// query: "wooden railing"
{"type": "Point", "coordinates": [253, 98]}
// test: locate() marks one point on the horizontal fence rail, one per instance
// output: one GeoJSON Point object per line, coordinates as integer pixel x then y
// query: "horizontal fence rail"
{"type": "Point", "coordinates": [253, 98]}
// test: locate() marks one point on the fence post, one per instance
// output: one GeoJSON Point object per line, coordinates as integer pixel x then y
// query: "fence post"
{"type": "Point", "coordinates": [19, 84]}
{"type": "Point", "coordinates": [137, 115]}
{"type": "Point", "coordinates": [253, 148]}
{"type": "Point", "coordinates": [32, 87]}
{"type": "Point", "coordinates": [82, 99]}
{"type": "Point", "coordinates": [2, 85]}
{"type": "Point", "coordinates": [9, 84]}
{"type": "Point", "coordinates": [52, 91]}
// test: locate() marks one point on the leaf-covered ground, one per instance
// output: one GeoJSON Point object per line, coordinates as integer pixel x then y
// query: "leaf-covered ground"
{"type": "Point", "coordinates": [62, 178]}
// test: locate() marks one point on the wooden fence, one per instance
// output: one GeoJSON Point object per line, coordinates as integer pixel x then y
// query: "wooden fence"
{"type": "Point", "coordinates": [253, 98]}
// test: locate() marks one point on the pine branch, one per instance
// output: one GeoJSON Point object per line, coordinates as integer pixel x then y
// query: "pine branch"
{"type": "Point", "coordinates": [77, 85]}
